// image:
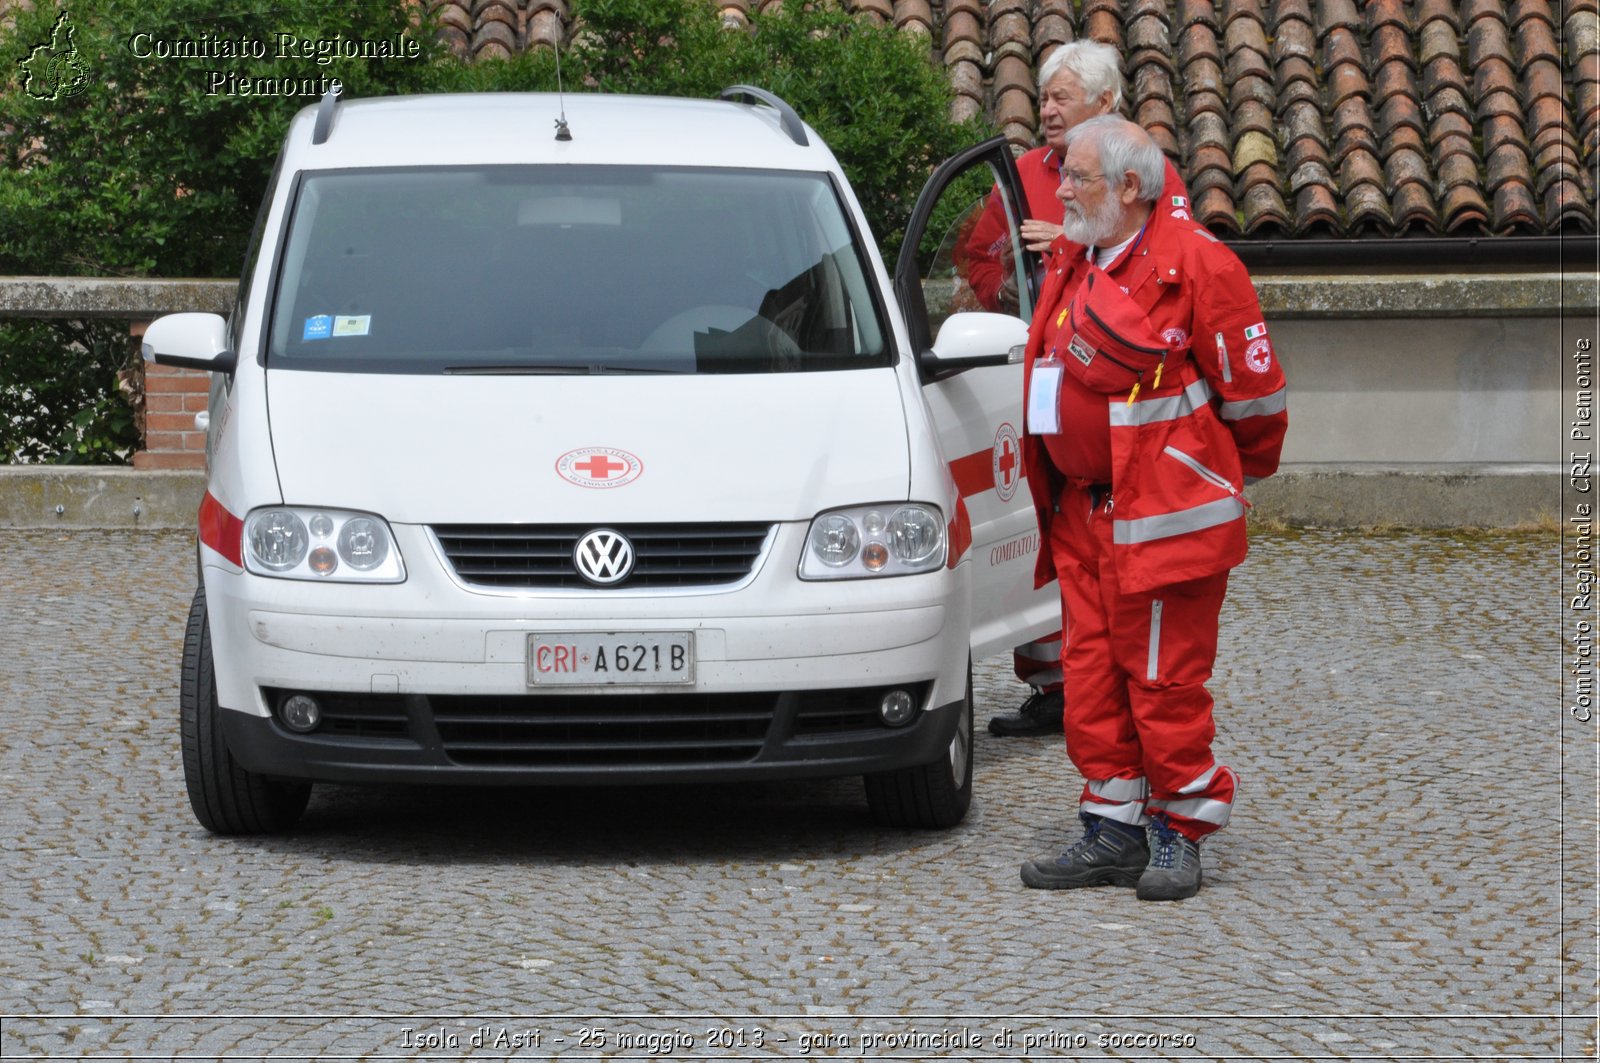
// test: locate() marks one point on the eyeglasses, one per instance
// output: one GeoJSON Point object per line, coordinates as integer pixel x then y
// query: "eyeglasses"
{"type": "Point", "coordinates": [1078, 180]}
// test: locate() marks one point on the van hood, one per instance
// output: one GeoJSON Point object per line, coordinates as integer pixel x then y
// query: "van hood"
{"type": "Point", "coordinates": [559, 449]}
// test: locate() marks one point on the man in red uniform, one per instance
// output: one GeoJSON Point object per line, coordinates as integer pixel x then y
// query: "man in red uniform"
{"type": "Point", "coordinates": [1079, 80]}
{"type": "Point", "coordinates": [1152, 395]}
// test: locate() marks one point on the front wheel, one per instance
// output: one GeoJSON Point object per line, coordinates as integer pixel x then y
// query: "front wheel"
{"type": "Point", "coordinates": [226, 798]}
{"type": "Point", "coordinates": [929, 796]}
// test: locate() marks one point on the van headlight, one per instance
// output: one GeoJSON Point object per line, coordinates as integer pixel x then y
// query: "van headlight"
{"type": "Point", "coordinates": [894, 539]}
{"type": "Point", "coordinates": [297, 542]}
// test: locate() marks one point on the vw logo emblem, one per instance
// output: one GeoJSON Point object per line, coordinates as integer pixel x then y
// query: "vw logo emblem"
{"type": "Point", "coordinates": [603, 557]}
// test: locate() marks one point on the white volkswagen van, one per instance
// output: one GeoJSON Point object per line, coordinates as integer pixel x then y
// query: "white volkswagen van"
{"type": "Point", "coordinates": [592, 443]}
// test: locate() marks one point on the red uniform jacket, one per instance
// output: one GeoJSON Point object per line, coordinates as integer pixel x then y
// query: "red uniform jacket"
{"type": "Point", "coordinates": [988, 247]}
{"type": "Point", "coordinates": [1181, 452]}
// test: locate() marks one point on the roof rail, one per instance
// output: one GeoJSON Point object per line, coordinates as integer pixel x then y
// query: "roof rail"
{"type": "Point", "coordinates": [325, 109]}
{"type": "Point", "coordinates": [786, 116]}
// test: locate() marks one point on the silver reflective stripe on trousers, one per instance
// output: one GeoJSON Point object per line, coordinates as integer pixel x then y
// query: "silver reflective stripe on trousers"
{"type": "Point", "coordinates": [1201, 781]}
{"type": "Point", "coordinates": [1202, 808]}
{"type": "Point", "coordinates": [1152, 664]}
{"type": "Point", "coordinates": [1120, 799]}
{"type": "Point", "coordinates": [1163, 525]}
{"type": "Point", "coordinates": [1265, 406]}
{"type": "Point", "coordinates": [1119, 789]}
{"type": "Point", "coordinates": [1040, 651]}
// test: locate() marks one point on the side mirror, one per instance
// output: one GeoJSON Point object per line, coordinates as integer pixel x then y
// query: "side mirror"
{"type": "Point", "coordinates": [189, 341]}
{"type": "Point", "coordinates": [971, 340]}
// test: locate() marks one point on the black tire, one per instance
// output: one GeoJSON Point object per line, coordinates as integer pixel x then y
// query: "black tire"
{"type": "Point", "coordinates": [226, 798]}
{"type": "Point", "coordinates": [932, 796]}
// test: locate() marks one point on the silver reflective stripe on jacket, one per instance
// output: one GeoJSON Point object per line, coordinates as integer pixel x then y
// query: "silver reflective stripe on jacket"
{"type": "Point", "coordinates": [1212, 477]}
{"type": "Point", "coordinates": [1265, 406]}
{"type": "Point", "coordinates": [1180, 522]}
{"type": "Point", "coordinates": [1154, 411]}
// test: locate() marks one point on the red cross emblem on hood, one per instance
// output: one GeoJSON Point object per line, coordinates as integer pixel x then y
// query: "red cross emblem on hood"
{"type": "Point", "coordinates": [599, 467]}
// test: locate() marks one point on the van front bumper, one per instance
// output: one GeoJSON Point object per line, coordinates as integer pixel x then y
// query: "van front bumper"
{"type": "Point", "coordinates": [429, 681]}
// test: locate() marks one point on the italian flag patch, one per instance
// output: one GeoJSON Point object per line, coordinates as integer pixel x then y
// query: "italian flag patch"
{"type": "Point", "coordinates": [1256, 331]}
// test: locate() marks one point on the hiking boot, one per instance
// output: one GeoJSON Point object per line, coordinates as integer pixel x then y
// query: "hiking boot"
{"type": "Point", "coordinates": [1039, 715]}
{"type": "Point", "coordinates": [1108, 854]}
{"type": "Point", "coordinates": [1174, 871]}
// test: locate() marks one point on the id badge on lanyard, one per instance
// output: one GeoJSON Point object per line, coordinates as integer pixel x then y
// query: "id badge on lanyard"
{"type": "Point", "coordinates": [1044, 392]}
{"type": "Point", "coordinates": [1044, 397]}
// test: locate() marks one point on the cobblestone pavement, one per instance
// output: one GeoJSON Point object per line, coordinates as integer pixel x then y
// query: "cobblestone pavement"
{"type": "Point", "coordinates": [1410, 872]}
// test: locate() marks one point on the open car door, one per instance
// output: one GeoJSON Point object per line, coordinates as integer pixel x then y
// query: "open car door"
{"type": "Point", "coordinates": [967, 287]}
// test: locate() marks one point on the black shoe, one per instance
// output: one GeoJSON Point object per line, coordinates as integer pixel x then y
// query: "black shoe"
{"type": "Point", "coordinates": [1109, 854]}
{"type": "Point", "coordinates": [1174, 871]}
{"type": "Point", "coordinates": [1039, 715]}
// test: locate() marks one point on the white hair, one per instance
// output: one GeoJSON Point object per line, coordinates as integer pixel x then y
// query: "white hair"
{"type": "Point", "coordinates": [1122, 147]}
{"type": "Point", "coordinates": [1097, 66]}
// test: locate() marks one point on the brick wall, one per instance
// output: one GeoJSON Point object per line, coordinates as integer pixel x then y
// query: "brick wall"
{"type": "Point", "coordinates": [171, 399]}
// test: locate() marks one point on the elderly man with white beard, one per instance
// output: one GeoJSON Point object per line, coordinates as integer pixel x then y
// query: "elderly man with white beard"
{"type": "Point", "coordinates": [1152, 396]}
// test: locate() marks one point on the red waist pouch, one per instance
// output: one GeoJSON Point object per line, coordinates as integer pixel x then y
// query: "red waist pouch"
{"type": "Point", "coordinates": [1106, 341]}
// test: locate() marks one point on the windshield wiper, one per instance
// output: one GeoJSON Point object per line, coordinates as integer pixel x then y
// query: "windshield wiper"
{"type": "Point", "coordinates": [543, 369]}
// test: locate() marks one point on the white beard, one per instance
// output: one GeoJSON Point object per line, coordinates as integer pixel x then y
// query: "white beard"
{"type": "Point", "coordinates": [1094, 229]}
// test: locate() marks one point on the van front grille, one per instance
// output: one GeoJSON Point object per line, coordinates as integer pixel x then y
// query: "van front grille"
{"type": "Point", "coordinates": [540, 556]}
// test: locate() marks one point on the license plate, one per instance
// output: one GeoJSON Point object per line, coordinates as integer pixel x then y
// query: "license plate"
{"type": "Point", "coordinates": [609, 658]}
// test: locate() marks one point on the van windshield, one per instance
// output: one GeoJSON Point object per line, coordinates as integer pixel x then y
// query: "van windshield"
{"type": "Point", "coordinates": [572, 269]}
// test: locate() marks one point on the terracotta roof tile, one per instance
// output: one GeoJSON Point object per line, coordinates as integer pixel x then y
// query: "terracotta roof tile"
{"type": "Point", "coordinates": [1213, 208]}
{"type": "Point", "coordinates": [1332, 14]}
{"type": "Point", "coordinates": [1264, 210]}
{"type": "Point", "coordinates": [547, 28]}
{"type": "Point", "coordinates": [1191, 12]}
{"type": "Point", "coordinates": [1246, 32]}
{"type": "Point", "coordinates": [1005, 27]}
{"type": "Point", "coordinates": [1396, 73]}
{"type": "Point", "coordinates": [1137, 9]}
{"type": "Point", "coordinates": [1316, 210]}
{"type": "Point", "coordinates": [454, 21]}
{"type": "Point", "coordinates": [1382, 13]}
{"type": "Point", "coordinates": [1429, 10]}
{"type": "Point", "coordinates": [1412, 207]}
{"type": "Point", "coordinates": [1313, 172]}
{"type": "Point", "coordinates": [1105, 26]}
{"type": "Point", "coordinates": [877, 11]}
{"type": "Point", "coordinates": [1514, 208]}
{"type": "Point", "coordinates": [1287, 117]}
{"type": "Point", "coordinates": [1341, 46]}
{"type": "Point", "coordinates": [1536, 39]}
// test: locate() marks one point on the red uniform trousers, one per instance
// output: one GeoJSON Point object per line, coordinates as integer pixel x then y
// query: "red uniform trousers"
{"type": "Point", "coordinates": [1138, 716]}
{"type": "Point", "coordinates": [1038, 663]}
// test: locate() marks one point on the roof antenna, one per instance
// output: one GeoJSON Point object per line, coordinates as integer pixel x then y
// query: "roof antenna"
{"type": "Point", "coordinates": [562, 132]}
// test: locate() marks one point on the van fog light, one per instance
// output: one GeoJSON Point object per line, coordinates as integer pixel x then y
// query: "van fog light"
{"type": "Point", "coordinates": [897, 708]}
{"type": "Point", "coordinates": [300, 713]}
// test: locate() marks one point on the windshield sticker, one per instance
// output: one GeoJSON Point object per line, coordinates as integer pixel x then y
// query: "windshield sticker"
{"type": "Point", "coordinates": [318, 327]}
{"type": "Point", "coordinates": [352, 326]}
